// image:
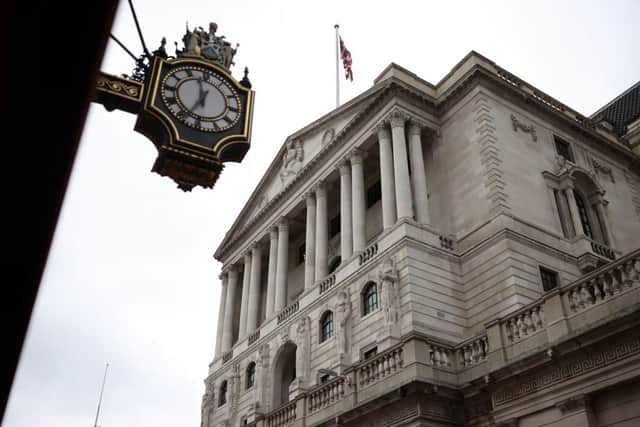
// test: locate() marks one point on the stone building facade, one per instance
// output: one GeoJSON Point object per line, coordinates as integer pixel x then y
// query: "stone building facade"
{"type": "Point", "coordinates": [464, 253]}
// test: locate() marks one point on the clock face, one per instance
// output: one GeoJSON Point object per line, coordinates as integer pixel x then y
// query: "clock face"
{"type": "Point", "coordinates": [201, 99]}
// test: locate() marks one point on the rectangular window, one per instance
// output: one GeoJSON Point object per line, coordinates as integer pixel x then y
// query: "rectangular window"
{"type": "Point", "coordinates": [302, 249]}
{"type": "Point", "coordinates": [563, 149]}
{"type": "Point", "coordinates": [370, 353]}
{"type": "Point", "coordinates": [334, 226]}
{"type": "Point", "coordinates": [374, 193]}
{"type": "Point", "coordinates": [549, 279]}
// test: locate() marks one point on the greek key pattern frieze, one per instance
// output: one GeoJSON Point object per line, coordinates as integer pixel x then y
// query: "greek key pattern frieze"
{"type": "Point", "coordinates": [586, 362]}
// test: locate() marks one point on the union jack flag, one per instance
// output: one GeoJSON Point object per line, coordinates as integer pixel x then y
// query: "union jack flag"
{"type": "Point", "coordinates": [345, 55]}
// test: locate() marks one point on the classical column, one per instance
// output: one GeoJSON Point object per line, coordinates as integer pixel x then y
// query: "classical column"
{"type": "Point", "coordinates": [401, 166]}
{"type": "Point", "coordinates": [387, 181]}
{"type": "Point", "coordinates": [322, 232]}
{"type": "Point", "coordinates": [310, 242]}
{"type": "Point", "coordinates": [244, 304]}
{"type": "Point", "coordinates": [359, 204]}
{"type": "Point", "coordinates": [418, 176]}
{"type": "Point", "coordinates": [254, 288]}
{"type": "Point", "coordinates": [346, 231]}
{"type": "Point", "coordinates": [271, 274]}
{"type": "Point", "coordinates": [573, 207]}
{"type": "Point", "coordinates": [229, 307]}
{"type": "Point", "coordinates": [282, 269]}
{"type": "Point", "coordinates": [224, 278]}
{"type": "Point", "coordinates": [604, 223]}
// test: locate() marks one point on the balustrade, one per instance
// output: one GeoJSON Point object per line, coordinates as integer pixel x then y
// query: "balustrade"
{"type": "Point", "coordinates": [288, 312]}
{"type": "Point", "coordinates": [327, 283]}
{"type": "Point", "coordinates": [602, 285]}
{"type": "Point", "coordinates": [380, 366]}
{"type": "Point", "coordinates": [368, 253]}
{"type": "Point", "coordinates": [282, 416]}
{"type": "Point", "coordinates": [227, 356]}
{"type": "Point", "coordinates": [474, 351]}
{"type": "Point", "coordinates": [254, 337]}
{"type": "Point", "coordinates": [326, 394]}
{"type": "Point", "coordinates": [603, 250]}
{"type": "Point", "coordinates": [439, 355]}
{"type": "Point", "coordinates": [524, 322]}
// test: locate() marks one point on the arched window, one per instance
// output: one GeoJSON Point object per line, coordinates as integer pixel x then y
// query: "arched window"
{"type": "Point", "coordinates": [326, 326]}
{"type": "Point", "coordinates": [584, 214]}
{"type": "Point", "coordinates": [251, 375]}
{"type": "Point", "coordinates": [369, 298]}
{"type": "Point", "coordinates": [222, 399]}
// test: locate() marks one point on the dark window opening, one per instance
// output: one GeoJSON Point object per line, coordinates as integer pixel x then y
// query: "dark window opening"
{"type": "Point", "coordinates": [369, 298]}
{"type": "Point", "coordinates": [374, 193]}
{"type": "Point", "coordinates": [251, 375]}
{"type": "Point", "coordinates": [334, 226]}
{"type": "Point", "coordinates": [583, 214]}
{"type": "Point", "coordinates": [563, 149]}
{"type": "Point", "coordinates": [549, 279]}
{"type": "Point", "coordinates": [223, 394]}
{"type": "Point", "coordinates": [324, 379]}
{"type": "Point", "coordinates": [334, 264]}
{"type": "Point", "coordinates": [370, 353]}
{"type": "Point", "coordinates": [326, 326]}
{"type": "Point", "coordinates": [302, 253]}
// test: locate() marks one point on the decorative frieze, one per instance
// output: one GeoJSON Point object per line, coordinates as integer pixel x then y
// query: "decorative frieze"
{"type": "Point", "coordinates": [582, 363]}
{"type": "Point", "coordinates": [291, 160]}
{"type": "Point", "coordinates": [530, 129]}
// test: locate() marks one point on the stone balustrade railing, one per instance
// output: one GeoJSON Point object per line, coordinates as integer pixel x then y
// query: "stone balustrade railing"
{"type": "Point", "coordinates": [255, 336]}
{"type": "Point", "coordinates": [288, 311]}
{"type": "Point", "coordinates": [380, 366]}
{"type": "Point", "coordinates": [227, 356]}
{"type": "Point", "coordinates": [370, 252]}
{"type": "Point", "coordinates": [326, 394]}
{"type": "Point", "coordinates": [439, 355]}
{"type": "Point", "coordinates": [283, 416]}
{"type": "Point", "coordinates": [327, 283]}
{"type": "Point", "coordinates": [602, 284]}
{"type": "Point", "coordinates": [524, 322]}
{"type": "Point", "coordinates": [473, 351]}
{"type": "Point", "coordinates": [603, 250]}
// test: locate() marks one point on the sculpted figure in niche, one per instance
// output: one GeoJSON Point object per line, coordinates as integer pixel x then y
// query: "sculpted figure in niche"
{"type": "Point", "coordinates": [561, 165]}
{"type": "Point", "coordinates": [292, 160]}
{"type": "Point", "coordinates": [389, 283]}
{"type": "Point", "coordinates": [303, 338]}
{"type": "Point", "coordinates": [343, 315]}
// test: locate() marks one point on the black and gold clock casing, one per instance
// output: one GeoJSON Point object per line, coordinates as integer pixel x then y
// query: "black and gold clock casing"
{"type": "Point", "coordinates": [198, 116]}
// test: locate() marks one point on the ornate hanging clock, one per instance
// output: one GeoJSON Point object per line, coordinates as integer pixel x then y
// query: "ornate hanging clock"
{"type": "Point", "coordinates": [190, 106]}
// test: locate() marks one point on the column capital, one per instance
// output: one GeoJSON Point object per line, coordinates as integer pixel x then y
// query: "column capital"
{"type": "Point", "coordinates": [257, 246]}
{"type": "Point", "coordinates": [319, 188]}
{"type": "Point", "coordinates": [283, 223]}
{"type": "Point", "coordinates": [273, 233]}
{"type": "Point", "coordinates": [310, 197]}
{"type": "Point", "coordinates": [233, 268]}
{"type": "Point", "coordinates": [398, 118]}
{"type": "Point", "coordinates": [247, 256]}
{"type": "Point", "coordinates": [344, 167]}
{"type": "Point", "coordinates": [222, 276]}
{"type": "Point", "coordinates": [382, 130]}
{"type": "Point", "coordinates": [415, 128]}
{"type": "Point", "coordinates": [356, 156]}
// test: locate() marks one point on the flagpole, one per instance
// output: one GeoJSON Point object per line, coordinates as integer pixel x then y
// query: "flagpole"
{"type": "Point", "coordinates": [337, 66]}
{"type": "Point", "coordinates": [104, 380]}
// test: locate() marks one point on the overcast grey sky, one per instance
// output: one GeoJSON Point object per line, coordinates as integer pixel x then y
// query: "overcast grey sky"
{"type": "Point", "coordinates": [130, 278]}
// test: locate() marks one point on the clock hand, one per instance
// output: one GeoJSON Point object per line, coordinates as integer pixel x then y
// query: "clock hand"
{"type": "Point", "coordinates": [203, 97]}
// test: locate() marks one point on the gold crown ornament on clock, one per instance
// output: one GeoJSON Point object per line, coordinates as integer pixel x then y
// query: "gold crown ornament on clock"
{"type": "Point", "coordinates": [189, 105]}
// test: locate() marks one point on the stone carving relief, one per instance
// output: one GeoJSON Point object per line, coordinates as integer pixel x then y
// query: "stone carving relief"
{"type": "Point", "coordinates": [262, 376]}
{"type": "Point", "coordinates": [600, 168]}
{"type": "Point", "coordinates": [284, 335]}
{"type": "Point", "coordinates": [208, 404]}
{"type": "Point", "coordinates": [524, 128]}
{"type": "Point", "coordinates": [343, 317]}
{"type": "Point", "coordinates": [563, 165]}
{"type": "Point", "coordinates": [328, 135]}
{"type": "Point", "coordinates": [389, 282]}
{"type": "Point", "coordinates": [303, 353]}
{"type": "Point", "coordinates": [291, 160]}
